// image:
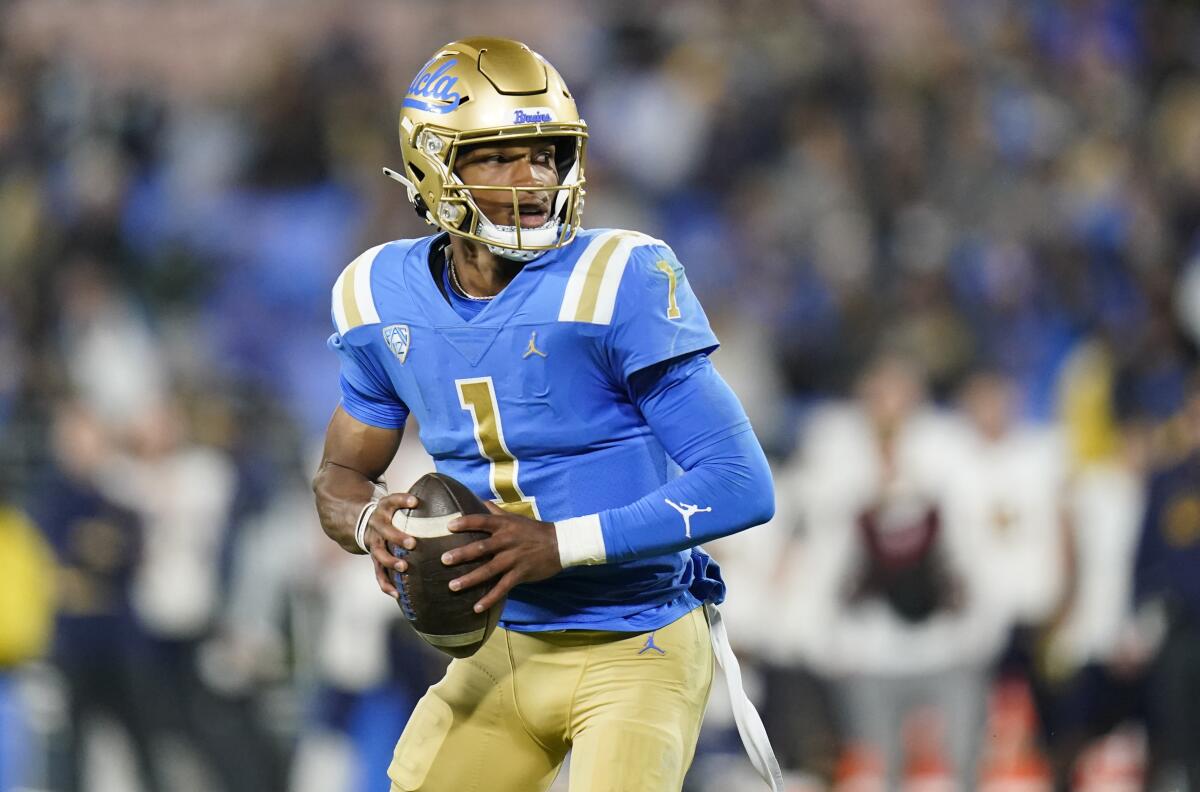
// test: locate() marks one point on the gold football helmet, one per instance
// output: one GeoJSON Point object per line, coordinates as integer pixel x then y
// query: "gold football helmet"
{"type": "Point", "coordinates": [487, 90]}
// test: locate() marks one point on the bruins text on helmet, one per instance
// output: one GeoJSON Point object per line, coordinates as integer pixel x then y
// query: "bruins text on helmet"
{"type": "Point", "coordinates": [490, 90]}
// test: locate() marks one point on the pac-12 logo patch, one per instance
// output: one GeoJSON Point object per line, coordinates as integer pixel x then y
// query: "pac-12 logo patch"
{"type": "Point", "coordinates": [398, 339]}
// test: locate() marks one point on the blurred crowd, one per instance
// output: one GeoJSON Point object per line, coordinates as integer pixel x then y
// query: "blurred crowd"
{"type": "Point", "coordinates": [951, 250]}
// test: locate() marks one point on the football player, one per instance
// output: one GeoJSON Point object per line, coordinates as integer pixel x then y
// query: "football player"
{"type": "Point", "coordinates": [563, 375]}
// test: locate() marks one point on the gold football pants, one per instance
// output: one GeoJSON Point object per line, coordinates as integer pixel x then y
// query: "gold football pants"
{"type": "Point", "coordinates": [628, 706]}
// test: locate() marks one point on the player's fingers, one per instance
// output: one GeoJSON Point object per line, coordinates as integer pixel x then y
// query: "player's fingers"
{"type": "Point", "coordinates": [393, 502]}
{"type": "Point", "coordinates": [477, 522]}
{"type": "Point", "coordinates": [384, 580]}
{"type": "Point", "coordinates": [481, 574]}
{"type": "Point", "coordinates": [381, 525]}
{"type": "Point", "coordinates": [469, 552]}
{"type": "Point", "coordinates": [498, 591]}
{"type": "Point", "coordinates": [382, 555]}
{"type": "Point", "coordinates": [493, 508]}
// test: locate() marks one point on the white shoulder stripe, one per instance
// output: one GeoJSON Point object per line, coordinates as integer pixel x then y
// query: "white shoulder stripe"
{"type": "Point", "coordinates": [339, 307]}
{"type": "Point", "coordinates": [591, 293]}
{"type": "Point", "coordinates": [362, 286]}
{"type": "Point", "coordinates": [606, 300]}
{"type": "Point", "coordinates": [571, 298]}
{"type": "Point", "coordinates": [353, 303]}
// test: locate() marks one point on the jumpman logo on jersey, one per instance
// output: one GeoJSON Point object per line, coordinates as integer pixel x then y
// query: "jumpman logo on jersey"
{"type": "Point", "coordinates": [532, 348]}
{"type": "Point", "coordinates": [686, 510]}
{"type": "Point", "coordinates": [651, 645]}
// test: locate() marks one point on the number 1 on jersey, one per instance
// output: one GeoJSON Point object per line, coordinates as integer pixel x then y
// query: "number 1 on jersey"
{"type": "Point", "coordinates": [478, 397]}
{"type": "Point", "coordinates": [673, 311]}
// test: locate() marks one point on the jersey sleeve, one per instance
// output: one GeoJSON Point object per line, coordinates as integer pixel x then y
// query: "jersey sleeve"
{"type": "Point", "coordinates": [726, 484]}
{"type": "Point", "coordinates": [367, 392]}
{"type": "Point", "coordinates": [367, 395]}
{"type": "Point", "coordinates": [656, 316]}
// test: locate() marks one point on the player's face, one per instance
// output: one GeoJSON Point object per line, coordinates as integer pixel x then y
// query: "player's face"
{"type": "Point", "coordinates": [517, 163]}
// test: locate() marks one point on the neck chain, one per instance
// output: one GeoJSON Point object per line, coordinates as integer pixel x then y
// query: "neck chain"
{"type": "Point", "coordinates": [458, 287]}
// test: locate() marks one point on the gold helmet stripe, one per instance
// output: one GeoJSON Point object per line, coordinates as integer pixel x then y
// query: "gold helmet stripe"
{"type": "Point", "coordinates": [353, 303]}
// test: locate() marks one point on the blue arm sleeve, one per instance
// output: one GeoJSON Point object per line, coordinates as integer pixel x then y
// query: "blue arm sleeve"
{"type": "Point", "coordinates": [726, 485]}
{"type": "Point", "coordinates": [367, 394]}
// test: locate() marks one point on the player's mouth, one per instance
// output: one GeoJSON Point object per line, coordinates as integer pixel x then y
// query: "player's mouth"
{"type": "Point", "coordinates": [534, 215]}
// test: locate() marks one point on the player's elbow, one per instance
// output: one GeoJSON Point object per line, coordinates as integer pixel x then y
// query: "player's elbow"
{"type": "Point", "coordinates": [762, 500]}
{"type": "Point", "coordinates": [320, 481]}
{"type": "Point", "coordinates": [757, 485]}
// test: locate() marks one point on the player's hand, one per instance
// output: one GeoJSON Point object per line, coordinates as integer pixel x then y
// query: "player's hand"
{"type": "Point", "coordinates": [380, 532]}
{"type": "Point", "coordinates": [522, 551]}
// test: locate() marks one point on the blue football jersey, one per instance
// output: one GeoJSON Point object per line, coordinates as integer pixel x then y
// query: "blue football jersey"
{"type": "Point", "coordinates": [528, 402]}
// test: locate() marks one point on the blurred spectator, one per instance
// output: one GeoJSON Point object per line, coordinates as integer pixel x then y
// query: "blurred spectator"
{"type": "Point", "coordinates": [1009, 490]}
{"type": "Point", "coordinates": [912, 626]}
{"type": "Point", "coordinates": [1167, 591]}
{"type": "Point", "coordinates": [183, 494]}
{"type": "Point", "coordinates": [99, 648]}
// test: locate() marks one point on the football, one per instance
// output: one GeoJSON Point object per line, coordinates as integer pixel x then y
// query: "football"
{"type": "Point", "coordinates": [443, 618]}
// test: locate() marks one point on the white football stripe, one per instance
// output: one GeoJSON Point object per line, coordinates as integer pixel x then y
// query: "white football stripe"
{"type": "Point", "coordinates": [458, 639]}
{"type": "Point", "coordinates": [424, 527]}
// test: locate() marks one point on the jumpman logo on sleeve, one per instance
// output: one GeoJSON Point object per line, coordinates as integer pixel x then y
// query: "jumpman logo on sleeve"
{"type": "Point", "coordinates": [686, 510]}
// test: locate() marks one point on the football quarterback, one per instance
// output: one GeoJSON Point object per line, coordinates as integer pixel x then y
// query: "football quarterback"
{"type": "Point", "coordinates": [561, 374]}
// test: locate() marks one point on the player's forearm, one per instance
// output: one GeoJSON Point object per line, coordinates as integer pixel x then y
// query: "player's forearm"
{"type": "Point", "coordinates": [727, 486]}
{"type": "Point", "coordinates": [341, 493]}
{"type": "Point", "coordinates": [355, 456]}
{"type": "Point", "coordinates": [728, 491]}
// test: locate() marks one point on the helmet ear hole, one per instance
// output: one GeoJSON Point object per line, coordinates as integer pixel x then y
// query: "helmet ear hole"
{"type": "Point", "coordinates": [418, 174]}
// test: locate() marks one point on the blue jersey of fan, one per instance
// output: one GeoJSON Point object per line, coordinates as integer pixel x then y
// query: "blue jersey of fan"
{"type": "Point", "coordinates": [528, 403]}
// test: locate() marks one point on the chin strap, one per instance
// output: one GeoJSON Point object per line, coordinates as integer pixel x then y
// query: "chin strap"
{"type": "Point", "coordinates": [414, 197]}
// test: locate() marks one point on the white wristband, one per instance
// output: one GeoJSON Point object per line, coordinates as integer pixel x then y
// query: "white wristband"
{"type": "Point", "coordinates": [580, 541]}
{"type": "Point", "coordinates": [360, 527]}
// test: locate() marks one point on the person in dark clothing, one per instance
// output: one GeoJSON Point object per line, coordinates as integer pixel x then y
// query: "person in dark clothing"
{"type": "Point", "coordinates": [1167, 586]}
{"type": "Point", "coordinates": [96, 544]}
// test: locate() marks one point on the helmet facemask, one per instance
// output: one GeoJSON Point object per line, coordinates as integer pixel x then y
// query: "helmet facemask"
{"type": "Point", "coordinates": [431, 164]}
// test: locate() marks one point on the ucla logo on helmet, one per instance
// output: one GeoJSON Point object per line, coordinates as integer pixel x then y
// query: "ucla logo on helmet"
{"type": "Point", "coordinates": [532, 115]}
{"type": "Point", "coordinates": [432, 91]}
{"type": "Point", "coordinates": [398, 339]}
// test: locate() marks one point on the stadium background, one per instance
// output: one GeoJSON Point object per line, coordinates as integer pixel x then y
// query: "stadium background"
{"type": "Point", "coordinates": [866, 194]}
